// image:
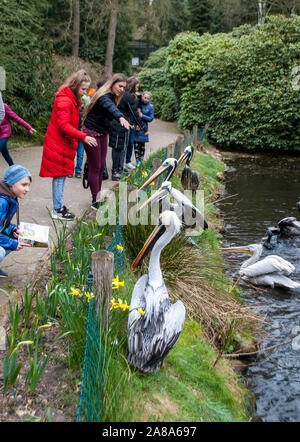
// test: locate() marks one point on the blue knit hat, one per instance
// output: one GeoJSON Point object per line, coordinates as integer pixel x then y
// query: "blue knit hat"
{"type": "Point", "coordinates": [15, 173]}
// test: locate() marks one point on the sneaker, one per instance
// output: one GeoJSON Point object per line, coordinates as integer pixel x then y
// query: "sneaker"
{"type": "Point", "coordinates": [70, 176]}
{"type": "Point", "coordinates": [115, 176]}
{"type": "Point", "coordinates": [63, 214]}
{"type": "Point", "coordinates": [130, 166]}
{"type": "Point", "coordinates": [3, 274]}
{"type": "Point", "coordinates": [77, 175]}
{"type": "Point", "coordinates": [96, 205]}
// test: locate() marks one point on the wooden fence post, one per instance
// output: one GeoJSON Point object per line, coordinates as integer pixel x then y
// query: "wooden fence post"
{"type": "Point", "coordinates": [170, 151]}
{"type": "Point", "coordinates": [102, 268]}
{"type": "Point", "coordinates": [187, 137]}
{"type": "Point", "coordinates": [156, 163]}
{"type": "Point", "coordinates": [179, 145]}
{"type": "Point", "coordinates": [195, 135]}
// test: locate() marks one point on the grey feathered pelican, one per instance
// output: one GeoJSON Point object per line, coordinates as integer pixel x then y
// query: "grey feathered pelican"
{"type": "Point", "coordinates": [286, 227]}
{"type": "Point", "coordinates": [151, 336]}
{"type": "Point", "coordinates": [271, 271]}
{"type": "Point", "coordinates": [190, 179]}
{"type": "Point", "coordinates": [169, 166]}
{"type": "Point", "coordinates": [184, 209]}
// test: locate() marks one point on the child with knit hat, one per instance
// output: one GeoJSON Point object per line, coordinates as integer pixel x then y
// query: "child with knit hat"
{"type": "Point", "coordinates": [16, 183]}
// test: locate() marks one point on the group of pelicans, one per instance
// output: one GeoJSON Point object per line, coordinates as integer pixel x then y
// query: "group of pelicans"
{"type": "Point", "coordinates": [151, 336]}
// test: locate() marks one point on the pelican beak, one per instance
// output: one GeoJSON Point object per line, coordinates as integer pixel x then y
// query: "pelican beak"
{"type": "Point", "coordinates": [236, 250]}
{"type": "Point", "coordinates": [183, 157]}
{"type": "Point", "coordinates": [159, 194]}
{"type": "Point", "coordinates": [155, 235]}
{"type": "Point", "coordinates": [156, 174]}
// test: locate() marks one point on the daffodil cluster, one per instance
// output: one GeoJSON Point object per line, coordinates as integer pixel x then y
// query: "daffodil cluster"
{"type": "Point", "coordinates": [76, 292]}
{"type": "Point", "coordinates": [123, 306]}
{"type": "Point", "coordinates": [116, 283]}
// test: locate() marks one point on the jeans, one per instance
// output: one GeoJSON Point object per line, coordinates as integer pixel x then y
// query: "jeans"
{"type": "Point", "coordinates": [58, 186]}
{"type": "Point", "coordinates": [79, 160]}
{"type": "Point", "coordinates": [3, 253]}
{"type": "Point", "coordinates": [4, 151]}
{"type": "Point", "coordinates": [130, 145]}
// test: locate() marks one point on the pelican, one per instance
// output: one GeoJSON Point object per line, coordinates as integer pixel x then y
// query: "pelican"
{"type": "Point", "coordinates": [184, 209]}
{"type": "Point", "coordinates": [169, 166]}
{"type": "Point", "coordinates": [286, 227]}
{"type": "Point", "coordinates": [271, 271]}
{"type": "Point", "coordinates": [190, 179]}
{"type": "Point", "coordinates": [151, 336]}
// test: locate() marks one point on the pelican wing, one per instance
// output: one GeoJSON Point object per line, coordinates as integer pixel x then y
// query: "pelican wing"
{"type": "Point", "coordinates": [135, 338]}
{"type": "Point", "coordinates": [289, 221]}
{"type": "Point", "coordinates": [270, 264]}
{"type": "Point", "coordinates": [164, 341]}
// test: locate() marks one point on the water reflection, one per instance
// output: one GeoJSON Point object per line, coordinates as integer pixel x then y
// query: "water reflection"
{"type": "Point", "coordinates": [267, 190]}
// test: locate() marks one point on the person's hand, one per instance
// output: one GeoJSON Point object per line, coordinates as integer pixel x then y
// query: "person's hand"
{"type": "Point", "coordinates": [22, 244]}
{"type": "Point", "coordinates": [125, 123]}
{"type": "Point", "coordinates": [32, 131]}
{"type": "Point", "coordinates": [16, 233]}
{"type": "Point", "coordinates": [90, 141]}
{"type": "Point", "coordinates": [137, 128]}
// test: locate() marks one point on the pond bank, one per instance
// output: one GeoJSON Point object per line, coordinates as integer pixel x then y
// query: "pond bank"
{"type": "Point", "coordinates": [195, 383]}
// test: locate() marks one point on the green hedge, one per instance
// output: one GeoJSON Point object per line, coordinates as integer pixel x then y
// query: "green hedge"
{"type": "Point", "coordinates": [239, 83]}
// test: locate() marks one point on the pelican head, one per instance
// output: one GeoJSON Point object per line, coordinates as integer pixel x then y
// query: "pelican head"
{"type": "Point", "coordinates": [160, 194]}
{"type": "Point", "coordinates": [169, 166]}
{"type": "Point", "coordinates": [167, 221]}
{"type": "Point", "coordinates": [250, 249]}
{"type": "Point", "coordinates": [187, 155]}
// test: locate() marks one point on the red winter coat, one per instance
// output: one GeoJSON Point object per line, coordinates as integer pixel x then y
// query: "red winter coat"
{"type": "Point", "coordinates": [61, 139]}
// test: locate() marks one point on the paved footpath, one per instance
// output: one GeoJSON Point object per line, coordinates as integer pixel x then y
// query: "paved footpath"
{"type": "Point", "coordinates": [21, 265]}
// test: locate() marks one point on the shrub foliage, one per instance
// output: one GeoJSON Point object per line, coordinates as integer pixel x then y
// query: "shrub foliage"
{"type": "Point", "coordinates": [239, 83]}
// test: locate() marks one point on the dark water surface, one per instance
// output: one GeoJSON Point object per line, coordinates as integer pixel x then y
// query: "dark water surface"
{"type": "Point", "coordinates": [267, 189]}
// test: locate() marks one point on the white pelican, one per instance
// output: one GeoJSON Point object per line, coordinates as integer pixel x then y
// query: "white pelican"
{"type": "Point", "coordinates": [169, 166]}
{"type": "Point", "coordinates": [184, 209]}
{"type": "Point", "coordinates": [152, 336]}
{"type": "Point", "coordinates": [190, 178]}
{"type": "Point", "coordinates": [271, 271]}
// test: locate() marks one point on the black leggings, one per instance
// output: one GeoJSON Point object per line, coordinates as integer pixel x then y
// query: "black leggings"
{"type": "Point", "coordinates": [139, 150]}
{"type": "Point", "coordinates": [118, 157]}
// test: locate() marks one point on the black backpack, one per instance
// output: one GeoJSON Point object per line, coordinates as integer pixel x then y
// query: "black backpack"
{"type": "Point", "coordinates": [85, 182]}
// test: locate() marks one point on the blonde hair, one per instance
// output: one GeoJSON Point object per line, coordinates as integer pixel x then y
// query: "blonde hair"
{"type": "Point", "coordinates": [148, 93]}
{"type": "Point", "coordinates": [105, 89]}
{"type": "Point", "coordinates": [74, 82]}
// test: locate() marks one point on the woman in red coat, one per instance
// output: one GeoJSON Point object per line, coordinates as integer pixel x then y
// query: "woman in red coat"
{"type": "Point", "coordinates": [61, 139]}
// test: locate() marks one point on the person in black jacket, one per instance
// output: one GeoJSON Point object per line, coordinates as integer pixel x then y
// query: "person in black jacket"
{"type": "Point", "coordinates": [97, 119]}
{"type": "Point", "coordinates": [119, 136]}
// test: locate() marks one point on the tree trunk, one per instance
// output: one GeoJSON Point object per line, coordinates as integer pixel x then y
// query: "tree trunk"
{"type": "Point", "coordinates": [102, 266]}
{"type": "Point", "coordinates": [108, 69]}
{"type": "Point", "coordinates": [262, 11]}
{"type": "Point", "coordinates": [76, 28]}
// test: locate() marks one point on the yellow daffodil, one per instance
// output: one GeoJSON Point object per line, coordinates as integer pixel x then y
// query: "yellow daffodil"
{"type": "Point", "coordinates": [89, 295]}
{"type": "Point", "coordinates": [120, 304]}
{"type": "Point", "coordinates": [152, 184]}
{"type": "Point", "coordinates": [144, 174]}
{"type": "Point", "coordinates": [141, 311]}
{"type": "Point", "coordinates": [119, 247]}
{"type": "Point", "coordinates": [83, 222]}
{"type": "Point", "coordinates": [74, 292]}
{"type": "Point", "coordinates": [98, 234]}
{"type": "Point", "coordinates": [116, 283]}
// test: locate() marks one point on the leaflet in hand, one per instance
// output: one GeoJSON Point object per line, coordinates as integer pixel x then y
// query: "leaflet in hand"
{"type": "Point", "coordinates": [34, 234]}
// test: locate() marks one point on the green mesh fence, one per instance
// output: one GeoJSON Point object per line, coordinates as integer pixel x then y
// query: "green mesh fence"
{"type": "Point", "coordinates": [92, 380]}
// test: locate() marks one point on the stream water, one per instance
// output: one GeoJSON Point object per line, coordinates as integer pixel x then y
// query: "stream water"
{"type": "Point", "coordinates": [261, 190]}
